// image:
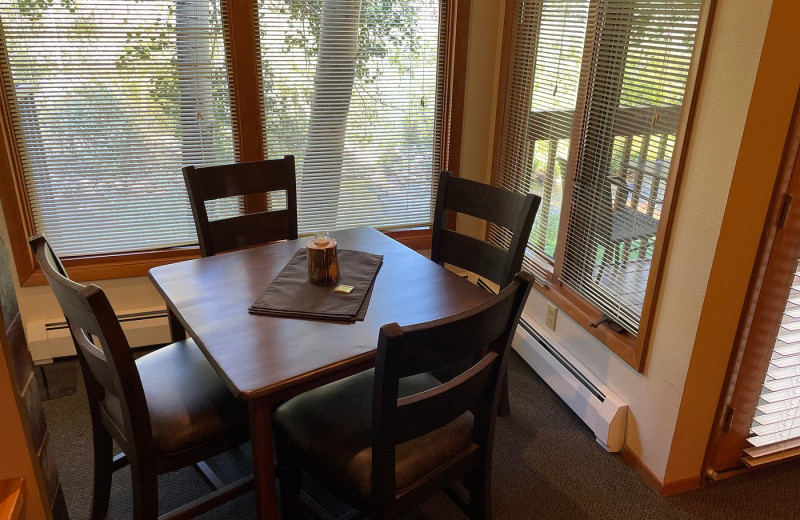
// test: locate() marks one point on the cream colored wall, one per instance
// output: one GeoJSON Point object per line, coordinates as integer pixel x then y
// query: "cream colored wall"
{"type": "Point", "coordinates": [654, 396]}
{"type": "Point", "coordinates": [483, 69]}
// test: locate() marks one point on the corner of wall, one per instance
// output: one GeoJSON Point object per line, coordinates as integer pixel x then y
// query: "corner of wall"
{"type": "Point", "coordinates": [761, 148]}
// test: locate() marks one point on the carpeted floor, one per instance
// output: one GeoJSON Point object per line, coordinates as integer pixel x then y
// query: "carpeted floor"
{"type": "Point", "coordinates": [546, 465]}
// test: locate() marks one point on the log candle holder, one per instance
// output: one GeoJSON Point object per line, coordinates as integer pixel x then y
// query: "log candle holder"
{"type": "Point", "coordinates": [323, 264]}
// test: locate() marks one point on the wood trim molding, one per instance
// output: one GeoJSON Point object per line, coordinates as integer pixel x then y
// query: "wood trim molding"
{"type": "Point", "coordinates": [16, 209]}
{"type": "Point", "coordinates": [762, 312]}
{"type": "Point", "coordinates": [623, 345]}
{"type": "Point", "coordinates": [104, 267]}
{"type": "Point", "coordinates": [677, 164]}
{"type": "Point", "coordinates": [454, 74]}
{"type": "Point", "coordinates": [12, 498]}
{"type": "Point", "coordinates": [414, 238]}
{"type": "Point", "coordinates": [644, 471]}
{"type": "Point", "coordinates": [682, 485]}
{"type": "Point", "coordinates": [662, 488]}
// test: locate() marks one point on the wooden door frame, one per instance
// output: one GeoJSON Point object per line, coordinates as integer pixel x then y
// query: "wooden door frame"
{"type": "Point", "coordinates": [761, 314]}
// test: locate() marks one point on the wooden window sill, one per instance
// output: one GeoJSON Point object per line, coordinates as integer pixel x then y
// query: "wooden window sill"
{"type": "Point", "coordinates": [104, 267]}
{"type": "Point", "coordinates": [628, 347]}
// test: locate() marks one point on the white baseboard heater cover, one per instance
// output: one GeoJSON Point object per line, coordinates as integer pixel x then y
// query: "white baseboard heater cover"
{"type": "Point", "coordinates": [49, 338]}
{"type": "Point", "coordinates": [602, 411]}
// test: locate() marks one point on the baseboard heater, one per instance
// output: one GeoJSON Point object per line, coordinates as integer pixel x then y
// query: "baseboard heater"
{"type": "Point", "coordinates": [49, 339]}
{"type": "Point", "coordinates": [602, 411]}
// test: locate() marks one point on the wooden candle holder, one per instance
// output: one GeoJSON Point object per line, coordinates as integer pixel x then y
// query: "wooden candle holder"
{"type": "Point", "coordinates": [323, 264]}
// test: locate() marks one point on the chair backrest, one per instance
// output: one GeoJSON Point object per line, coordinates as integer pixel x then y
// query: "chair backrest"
{"type": "Point", "coordinates": [483, 333]}
{"type": "Point", "coordinates": [108, 367]}
{"type": "Point", "coordinates": [512, 211]}
{"type": "Point", "coordinates": [240, 179]}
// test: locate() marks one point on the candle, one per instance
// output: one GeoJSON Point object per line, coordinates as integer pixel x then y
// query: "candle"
{"type": "Point", "coordinates": [321, 238]}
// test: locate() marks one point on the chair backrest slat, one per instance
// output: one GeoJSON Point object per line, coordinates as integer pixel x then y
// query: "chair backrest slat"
{"type": "Point", "coordinates": [500, 207]}
{"type": "Point", "coordinates": [427, 411]}
{"type": "Point", "coordinates": [474, 255]}
{"type": "Point", "coordinates": [482, 334]}
{"type": "Point", "coordinates": [231, 180]}
{"type": "Point", "coordinates": [484, 201]}
{"type": "Point", "coordinates": [249, 230]}
{"type": "Point", "coordinates": [241, 179]}
{"type": "Point", "coordinates": [428, 347]}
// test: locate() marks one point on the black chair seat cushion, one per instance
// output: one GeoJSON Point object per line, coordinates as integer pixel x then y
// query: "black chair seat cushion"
{"type": "Point", "coordinates": [331, 426]}
{"type": "Point", "coordinates": [189, 404]}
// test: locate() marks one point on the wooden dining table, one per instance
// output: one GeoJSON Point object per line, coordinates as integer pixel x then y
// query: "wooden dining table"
{"type": "Point", "coordinates": [266, 360]}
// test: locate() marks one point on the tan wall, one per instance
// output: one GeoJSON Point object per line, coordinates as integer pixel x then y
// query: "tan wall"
{"type": "Point", "coordinates": [483, 69]}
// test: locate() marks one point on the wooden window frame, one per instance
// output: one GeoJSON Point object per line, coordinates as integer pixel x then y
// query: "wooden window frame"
{"type": "Point", "coordinates": [247, 116]}
{"type": "Point", "coordinates": [629, 348]}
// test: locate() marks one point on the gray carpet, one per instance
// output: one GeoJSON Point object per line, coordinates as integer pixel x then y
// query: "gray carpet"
{"type": "Point", "coordinates": [546, 465]}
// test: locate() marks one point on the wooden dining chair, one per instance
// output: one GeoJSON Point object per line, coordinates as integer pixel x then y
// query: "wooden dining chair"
{"type": "Point", "coordinates": [387, 439]}
{"type": "Point", "coordinates": [166, 410]}
{"type": "Point", "coordinates": [514, 212]}
{"type": "Point", "coordinates": [240, 179]}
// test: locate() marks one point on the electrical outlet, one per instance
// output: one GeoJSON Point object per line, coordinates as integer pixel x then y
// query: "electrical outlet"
{"type": "Point", "coordinates": [550, 317]}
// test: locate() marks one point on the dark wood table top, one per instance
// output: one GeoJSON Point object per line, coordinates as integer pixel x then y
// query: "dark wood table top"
{"type": "Point", "coordinates": [260, 356]}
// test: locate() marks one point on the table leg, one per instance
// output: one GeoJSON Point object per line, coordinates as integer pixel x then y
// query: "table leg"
{"type": "Point", "coordinates": [263, 459]}
{"type": "Point", "coordinates": [176, 330]}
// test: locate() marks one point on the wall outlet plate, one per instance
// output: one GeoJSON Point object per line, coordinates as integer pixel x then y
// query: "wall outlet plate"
{"type": "Point", "coordinates": [550, 317]}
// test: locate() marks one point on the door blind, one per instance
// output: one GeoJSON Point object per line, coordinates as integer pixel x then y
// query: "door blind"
{"type": "Point", "coordinates": [111, 99]}
{"type": "Point", "coordinates": [353, 90]}
{"type": "Point", "coordinates": [776, 423]}
{"type": "Point", "coordinates": [636, 79]}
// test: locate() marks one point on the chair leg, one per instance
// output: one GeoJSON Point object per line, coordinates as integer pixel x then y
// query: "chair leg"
{"type": "Point", "coordinates": [103, 471]}
{"type": "Point", "coordinates": [144, 481]}
{"type": "Point", "coordinates": [504, 407]}
{"type": "Point", "coordinates": [479, 484]}
{"type": "Point", "coordinates": [290, 482]}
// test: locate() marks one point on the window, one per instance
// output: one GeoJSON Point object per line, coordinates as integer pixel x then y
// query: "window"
{"type": "Point", "coordinates": [590, 119]}
{"type": "Point", "coordinates": [107, 100]}
{"type": "Point", "coordinates": [354, 92]}
{"type": "Point", "coordinates": [111, 100]}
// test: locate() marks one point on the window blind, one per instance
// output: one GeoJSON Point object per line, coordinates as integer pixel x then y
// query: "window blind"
{"type": "Point", "coordinates": [631, 78]}
{"type": "Point", "coordinates": [636, 81]}
{"type": "Point", "coordinates": [112, 98]}
{"type": "Point", "coordinates": [353, 90]}
{"type": "Point", "coordinates": [542, 89]}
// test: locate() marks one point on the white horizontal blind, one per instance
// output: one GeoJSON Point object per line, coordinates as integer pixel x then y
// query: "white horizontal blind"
{"type": "Point", "coordinates": [635, 87]}
{"type": "Point", "coordinates": [776, 424]}
{"type": "Point", "coordinates": [542, 87]}
{"type": "Point", "coordinates": [113, 97]}
{"type": "Point", "coordinates": [352, 89]}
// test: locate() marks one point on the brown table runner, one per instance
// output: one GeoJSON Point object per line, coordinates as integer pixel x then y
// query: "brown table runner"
{"type": "Point", "coordinates": [291, 294]}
